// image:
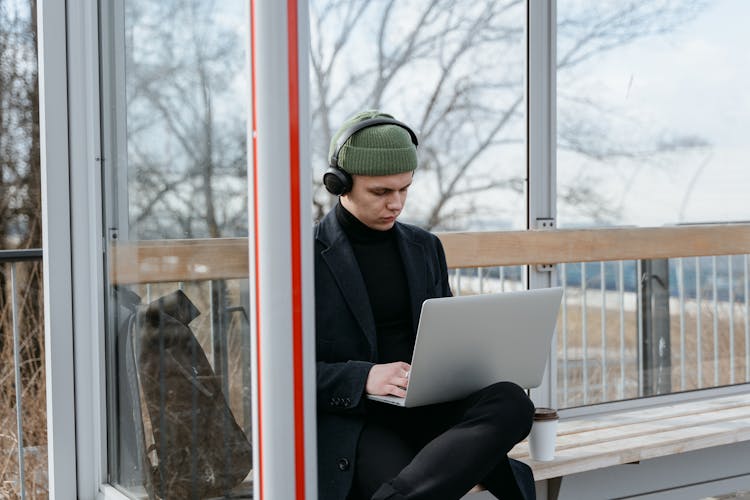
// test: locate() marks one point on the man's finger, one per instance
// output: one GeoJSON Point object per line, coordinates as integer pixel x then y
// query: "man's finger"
{"type": "Point", "coordinates": [401, 382]}
{"type": "Point", "coordinates": [397, 391]}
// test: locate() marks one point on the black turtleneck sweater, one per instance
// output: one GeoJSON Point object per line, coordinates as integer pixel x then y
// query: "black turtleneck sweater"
{"type": "Point", "coordinates": [385, 279]}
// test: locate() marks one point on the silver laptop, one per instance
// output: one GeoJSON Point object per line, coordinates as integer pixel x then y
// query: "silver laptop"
{"type": "Point", "coordinates": [469, 342]}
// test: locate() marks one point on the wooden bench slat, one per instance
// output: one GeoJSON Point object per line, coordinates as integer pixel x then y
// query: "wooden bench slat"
{"type": "Point", "coordinates": [630, 450]}
{"type": "Point", "coordinates": [590, 443]}
{"type": "Point", "coordinates": [646, 429]}
{"type": "Point", "coordinates": [584, 424]}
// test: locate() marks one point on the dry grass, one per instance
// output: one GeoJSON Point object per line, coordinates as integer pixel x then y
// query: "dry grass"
{"type": "Point", "coordinates": [31, 333]}
{"type": "Point", "coordinates": [717, 365]}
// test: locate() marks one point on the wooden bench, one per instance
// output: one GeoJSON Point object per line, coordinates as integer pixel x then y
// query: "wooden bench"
{"type": "Point", "coordinates": [595, 442]}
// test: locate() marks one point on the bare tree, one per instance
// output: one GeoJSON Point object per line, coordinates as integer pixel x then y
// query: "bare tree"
{"type": "Point", "coordinates": [454, 69]}
{"type": "Point", "coordinates": [20, 202]}
{"type": "Point", "coordinates": [185, 122]}
{"type": "Point", "coordinates": [186, 130]}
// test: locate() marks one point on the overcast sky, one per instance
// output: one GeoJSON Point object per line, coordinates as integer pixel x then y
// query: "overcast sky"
{"type": "Point", "coordinates": [693, 81]}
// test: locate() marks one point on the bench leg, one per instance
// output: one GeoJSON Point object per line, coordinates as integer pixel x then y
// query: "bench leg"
{"type": "Point", "coordinates": [553, 488]}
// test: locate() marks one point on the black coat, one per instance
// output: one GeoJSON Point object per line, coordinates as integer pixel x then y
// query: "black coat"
{"type": "Point", "coordinates": [346, 346]}
{"type": "Point", "coordinates": [346, 343]}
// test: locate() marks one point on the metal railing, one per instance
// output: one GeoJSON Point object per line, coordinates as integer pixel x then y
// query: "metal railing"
{"type": "Point", "coordinates": [619, 321]}
{"type": "Point", "coordinates": [11, 258]}
{"type": "Point", "coordinates": [638, 328]}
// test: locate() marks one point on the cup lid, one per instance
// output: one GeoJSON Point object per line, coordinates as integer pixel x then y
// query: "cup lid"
{"type": "Point", "coordinates": [545, 414]}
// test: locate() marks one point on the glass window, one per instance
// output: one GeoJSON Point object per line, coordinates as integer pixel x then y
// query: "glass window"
{"type": "Point", "coordinates": [452, 70]}
{"type": "Point", "coordinates": [23, 439]}
{"type": "Point", "coordinates": [185, 109]}
{"type": "Point", "coordinates": [176, 106]}
{"type": "Point", "coordinates": [651, 108]}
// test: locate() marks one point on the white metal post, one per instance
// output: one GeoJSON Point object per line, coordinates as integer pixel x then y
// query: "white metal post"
{"type": "Point", "coordinates": [281, 254]}
{"type": "Point", "coordinates": [58, 304]}
{"type": "Point", "coordinates": [541, 177]}
{"type": "Point", "coordinates": [114, 117]}
{"type": "Point", "coordinates": [541, 151]}
{"type": "Point", "coordinates": [86, 244]}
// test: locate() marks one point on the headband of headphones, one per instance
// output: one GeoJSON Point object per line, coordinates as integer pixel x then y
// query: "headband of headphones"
{"type": "Point", "coordinates": [370, 122]}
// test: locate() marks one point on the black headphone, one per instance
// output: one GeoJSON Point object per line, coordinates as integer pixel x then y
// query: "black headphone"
{"type": "Point", "coordinates": [338, 181]}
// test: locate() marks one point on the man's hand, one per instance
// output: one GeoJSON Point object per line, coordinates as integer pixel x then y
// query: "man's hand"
{"type": "Point", "coordinates": [388, 380]}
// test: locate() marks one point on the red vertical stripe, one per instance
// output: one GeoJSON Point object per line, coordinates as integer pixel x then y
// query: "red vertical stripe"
{"type": "Point", "coordinates": [295, 223]}
{"type": "Point", "coordinates": [256, 229]}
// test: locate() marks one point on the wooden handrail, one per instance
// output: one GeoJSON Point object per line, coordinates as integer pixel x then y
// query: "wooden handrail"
{"type": "Point", "coordinates": [159, 261]}
{"type": "Point", "coordinates": [225, 258]}
{"type": "Point", "coordinates": [594, 245]}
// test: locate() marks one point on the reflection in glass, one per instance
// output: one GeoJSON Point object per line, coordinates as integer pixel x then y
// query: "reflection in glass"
{"type": "Point", "coordinates": [651, 108]}
{"type": "Point", "coordinates": [186, 113]}
{"type": "Point", "coordinates": [178, 348]}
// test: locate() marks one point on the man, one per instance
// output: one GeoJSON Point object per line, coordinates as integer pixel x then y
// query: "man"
{"type": "Point", "coordinates": [372, 274]}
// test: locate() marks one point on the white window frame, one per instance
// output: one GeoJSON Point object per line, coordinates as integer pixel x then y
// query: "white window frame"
{"type": "Point", "coordinates": [541, 178]}
{"type": "Point", "coordinates": [72, 243]}
{"type": "Point", "coordinates": [56, 244]}
{"type": "Point", "coordinates": [87, 245]}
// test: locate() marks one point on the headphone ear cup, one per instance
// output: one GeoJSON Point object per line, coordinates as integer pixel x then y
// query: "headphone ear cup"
{"type": "Point", "coordinates": [337, 181]}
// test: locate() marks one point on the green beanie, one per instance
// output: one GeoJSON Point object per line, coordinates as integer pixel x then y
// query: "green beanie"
{"type": "Point", "coordinates": [377, 150]}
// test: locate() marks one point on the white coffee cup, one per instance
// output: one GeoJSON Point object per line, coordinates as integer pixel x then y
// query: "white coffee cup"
{"type": "Point", "coordinates": [543, 435]}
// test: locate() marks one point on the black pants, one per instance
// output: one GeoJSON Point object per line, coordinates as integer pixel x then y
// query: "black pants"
{"type": "Point", "coordinates": [441, 451]}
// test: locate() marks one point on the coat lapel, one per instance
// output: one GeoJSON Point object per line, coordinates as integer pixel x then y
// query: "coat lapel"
{"type": "Point", "coordinates": [339, 257]}
{"type": "Point", "coordinates": [413, 256]}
